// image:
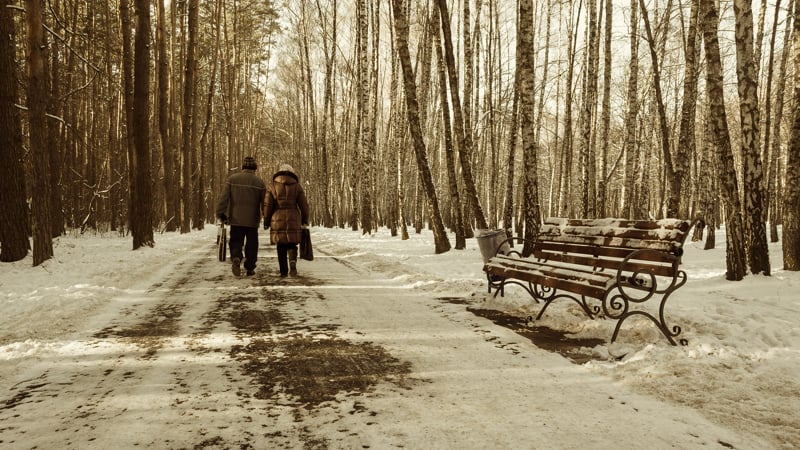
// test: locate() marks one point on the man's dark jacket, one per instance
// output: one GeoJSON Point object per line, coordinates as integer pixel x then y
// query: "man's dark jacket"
{"type": "Point", "coordinates": [242, 199]}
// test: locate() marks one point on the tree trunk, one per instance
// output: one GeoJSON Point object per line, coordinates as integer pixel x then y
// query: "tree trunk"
{"type": "Point", "coordinates": [707, 184]}
{"type": "Point", "coordinates": [508, 212]}
{"type": "Point", "coordinates": [526, 65]}
{"type": "Point", "coordinates": [365, 121]}
{"type": "Point", "coordinates": [197, 160]}
{"type": "Point", "coordinates": [588, 113]}
{"type": "Point", "coordinates": [469, 75]}
{"type": "Point", "coordinates": [632, 117]}
{"type": "Point", "coordinates": [141, 210]}
{"type": "Point", "coordinates": [605, 118]}
{"type": "Point", "coordinates": [15, 221]}
{"type": "Point", "coordinates": [735, 252]}
{"type": "Point", "coordinates": [673, 199]}
{"type": "Point", "coordinates": [171, 197]}
{"type": "Point", "coordinates": [791, 197]}
{"type": "Point", "coordinates": [39, 161]}
{"type": "Point", "coordinates": [452, 177]}
{"type": "Point", "coordinates": [187, 120]}
{"type": "Point", "coordinates": [686, 135]}
{"type": "Point", "coordinates": [755, 227]}
{"type": "Point", "coordinates": [462, 137]}
{"type": "Point", "coordinates": [54, 103]}
{"type": "Point", "coordinates": [328, 111]}
{"type": "Point", "coordinates": [441, 241]}
{"type": "Point", "coordinates": [775, 188]}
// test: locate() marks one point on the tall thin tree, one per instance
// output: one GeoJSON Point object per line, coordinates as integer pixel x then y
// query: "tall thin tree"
{"type": "Point", "coordinates": [163, 60]}
{"type": "Point", "coordinates": [526, 67]}
{"type": "Point", "coordinates": [441, 241]}
{"type": "Point", "coordinates": [188, 119]}
{"type": "Point", "coordinates": [37, 104]}
{"type": "Point", "coordinates": [141, 208]}
{"type": "Point", "coordinates": [588, 114]}
{"type": "Point", "coordinates": [752, 168]}
{"type": "Point", "coordinates": [605, 118]}
{"type": "Point", "coordinates": [686, 134]}
{"type": "Point", "coordinates": [15, 221]}
{"type": "Point", "coordinates": [463, 138]}
{"type": "Point", "coordinates": [452, 177]}
{"type": "Point", "coordinates": [632, 115]}
{"type": "Point", "coordinates": [774, 186]}
{"type": "Point", "coordinates": [720, 135]}
{"type": "Point", "coordinates": [673, 200]}
{"type": "Point", "coordinates": [791, 197]}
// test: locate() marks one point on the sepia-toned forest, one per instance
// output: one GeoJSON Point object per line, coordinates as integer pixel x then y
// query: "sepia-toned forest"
{"type": "Point", "coordinates": [453, 115]}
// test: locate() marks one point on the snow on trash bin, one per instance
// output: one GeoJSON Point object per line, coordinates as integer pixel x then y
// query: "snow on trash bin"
{"type": "Point", "coordinates": [489, 243]}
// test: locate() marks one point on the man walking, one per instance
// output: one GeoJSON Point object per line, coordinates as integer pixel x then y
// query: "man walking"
{"type": "Point", "coordinates": [240, 205]}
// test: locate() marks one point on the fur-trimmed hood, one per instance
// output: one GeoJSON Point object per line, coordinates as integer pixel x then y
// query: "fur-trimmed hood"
{"type": "Point", "coordinates": [286, 177]}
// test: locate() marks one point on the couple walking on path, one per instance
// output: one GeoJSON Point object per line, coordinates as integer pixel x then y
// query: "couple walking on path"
{"type": "Point", "coordinates": [283, 205]}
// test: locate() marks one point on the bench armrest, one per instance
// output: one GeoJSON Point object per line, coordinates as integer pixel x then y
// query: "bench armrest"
{"type": "Point", "coordinates": [636, 274]}
{"type": "Point", "coordinates": [516, 251]}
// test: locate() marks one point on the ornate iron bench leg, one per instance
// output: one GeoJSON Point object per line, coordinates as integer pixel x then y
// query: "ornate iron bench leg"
{"type": "Point", "coordinates": [618, 306]}
{"type": "Point", "coordinates": [497, 283]}
{"type": "Point", "coordinates": [589, 311]}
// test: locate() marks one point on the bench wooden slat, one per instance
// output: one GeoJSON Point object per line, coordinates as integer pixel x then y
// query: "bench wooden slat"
{"type": "Point", "coordinates": [611, 264]}
{"type": "Point", "coordinates": [550, 247]}
{"type": "Point", "coordinates": [665, 245]}
{"type": "Point", "coordinates": [559, 271]}
{"type": "Point", "coordinates": [664, 235]}
{"type": "Point", "coordinates": [669, 224]}
{"type": "Point", "coordinates": [564, 280]}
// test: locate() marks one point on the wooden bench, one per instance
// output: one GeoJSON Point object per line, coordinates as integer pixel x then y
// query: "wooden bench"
{"type": "Point", "coordinates": [621, 263]}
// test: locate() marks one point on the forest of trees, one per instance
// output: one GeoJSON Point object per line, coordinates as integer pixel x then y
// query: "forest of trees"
{"type": "Point", "coordinates": [128, 115]}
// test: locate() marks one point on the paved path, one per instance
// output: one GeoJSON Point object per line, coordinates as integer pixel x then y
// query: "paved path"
{"type": "Point", "coordinates": [339, 357]}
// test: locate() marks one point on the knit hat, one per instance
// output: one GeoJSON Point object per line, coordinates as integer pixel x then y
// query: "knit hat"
{"type": "Point", "coordinates": [285, 168]}
{"type": "Point", "coordinates": [249, 163]}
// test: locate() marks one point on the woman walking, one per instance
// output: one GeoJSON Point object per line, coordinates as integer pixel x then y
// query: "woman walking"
{"type": "Point", "coordinates": [286, 212]}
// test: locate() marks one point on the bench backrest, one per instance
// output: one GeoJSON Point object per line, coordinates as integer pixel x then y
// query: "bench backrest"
{"type": "Point", "coordinates": [604, 243]}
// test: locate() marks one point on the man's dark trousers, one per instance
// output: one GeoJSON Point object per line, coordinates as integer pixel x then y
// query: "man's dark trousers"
{"type": "Point", "coordinates": [249, 237]}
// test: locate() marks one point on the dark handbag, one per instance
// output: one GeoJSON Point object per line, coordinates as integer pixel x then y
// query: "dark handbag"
{"type": "Point", "coordinates": [306, 251]}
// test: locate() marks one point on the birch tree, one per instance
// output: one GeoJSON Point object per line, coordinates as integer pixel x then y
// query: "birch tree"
{"type": "Point", "coordinates": [463, 138]}
{"type": "Point", "coordinates": [450, 158]}
{"type": "Point", "coordinates": [565, 204]}
{"type": "Point", "coordinates": [526, 67]}
{"type": "Point", "coordinates": [752, 168]}
{"type": "Point", "coordinates": [605, 119]}
{"type": "Point", "coordinates": [366, 149]}
{"type": "Point", "coordinates": [588, 113]}
{"type": "Point", "coordinates": [329, 48]}
{"type": "Point", "coordinates": [791, 197]}
{"type": "Point", "coordinates": [735, 252]}
{"type": "Point", "coordinates": [441, 241]}
{"type": "Point", "coordinates": [631, 117]}
{"type": "Point", "coordinates": [664, 130]}
{"type": "Point", "coordinates": [775, 188]}
{"type": "Point", "coordinates": [686, 134]}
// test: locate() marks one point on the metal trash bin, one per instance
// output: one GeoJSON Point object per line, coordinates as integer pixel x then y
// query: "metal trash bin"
{"type": "Point", "coordinates": [489, 243]}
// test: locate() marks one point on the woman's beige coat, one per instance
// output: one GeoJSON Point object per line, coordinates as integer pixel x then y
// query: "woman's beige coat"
{"type": "Point", "coordinates": [286, 208]}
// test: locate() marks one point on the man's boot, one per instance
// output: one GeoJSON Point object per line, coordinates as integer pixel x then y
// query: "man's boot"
{"type": "Point", "coordinates": [292, 253]}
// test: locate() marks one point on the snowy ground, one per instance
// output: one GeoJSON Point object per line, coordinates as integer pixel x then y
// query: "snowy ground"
{"type": "Point", "coordinates": [454, 379]}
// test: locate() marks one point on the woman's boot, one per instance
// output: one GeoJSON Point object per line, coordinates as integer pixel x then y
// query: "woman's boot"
{"type": "Point", "coordinates": [292, 261]}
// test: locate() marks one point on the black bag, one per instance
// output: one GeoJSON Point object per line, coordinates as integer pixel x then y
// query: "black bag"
{"type": "Point", "coordinates": [306, 251]}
